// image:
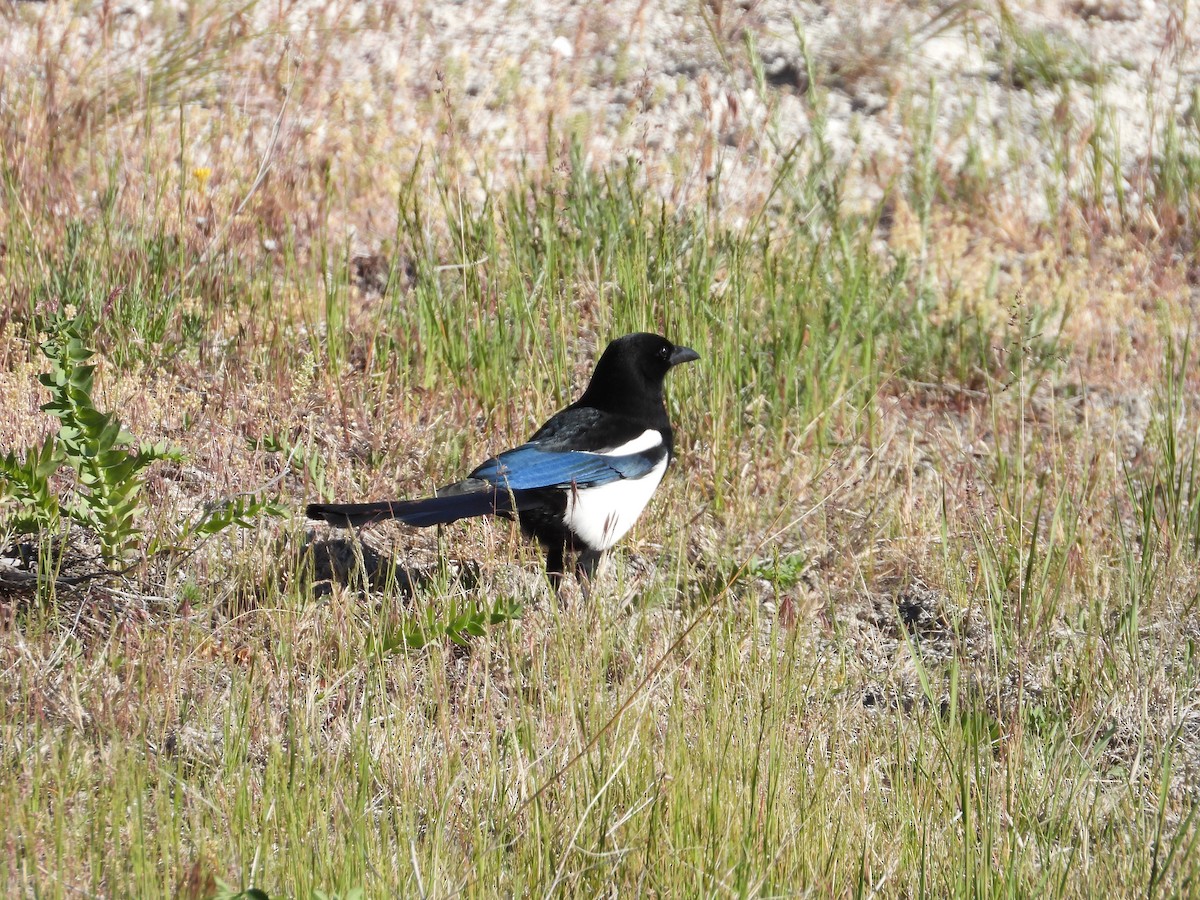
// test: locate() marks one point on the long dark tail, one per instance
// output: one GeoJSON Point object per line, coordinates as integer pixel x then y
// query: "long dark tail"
{"type": "Point", "coordinates": [418, 513]}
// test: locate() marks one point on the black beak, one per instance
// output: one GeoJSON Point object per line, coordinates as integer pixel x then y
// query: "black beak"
{"type": "Point", "coordinates": [682, 355]}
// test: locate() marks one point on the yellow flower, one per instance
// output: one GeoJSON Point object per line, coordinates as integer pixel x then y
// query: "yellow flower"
{"type": "Point", "coordinates": [202, 174]}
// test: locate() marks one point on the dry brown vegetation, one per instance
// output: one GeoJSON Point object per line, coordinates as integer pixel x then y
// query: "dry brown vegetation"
{"type": "Point", "coordinates": [914, 614]}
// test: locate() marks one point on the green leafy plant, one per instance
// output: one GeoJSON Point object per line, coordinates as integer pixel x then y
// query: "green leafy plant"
{"type": "Point", "coordinates": [782, 572]}
{"type": "Point", "coordinates": [25, 485]}
{"type": "Point", "coordinates": [238, 511]}
{"type": "Point", "coordinates": [459, 624]}
{"type": "Point", "coordinates": [106, 466]}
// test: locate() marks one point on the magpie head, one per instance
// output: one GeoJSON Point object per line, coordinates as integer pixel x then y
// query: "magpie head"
{"type": "Point", "coordinates": [632, 368]}
{"type": "Point", "coordinates": [647, 355]}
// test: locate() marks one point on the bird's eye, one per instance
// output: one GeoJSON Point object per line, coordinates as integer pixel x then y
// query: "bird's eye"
{"type": "Point", "coordinates": [664, 352]}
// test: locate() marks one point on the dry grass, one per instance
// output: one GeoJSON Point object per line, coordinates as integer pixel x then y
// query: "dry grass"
{"type": "Point", "coordinates": [914, 614]}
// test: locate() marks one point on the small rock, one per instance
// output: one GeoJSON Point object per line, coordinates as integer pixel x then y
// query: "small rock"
{"type": "Point", "coordinates": [1109, 10]}
{"type": "Point", "coordinates": [561, 46]}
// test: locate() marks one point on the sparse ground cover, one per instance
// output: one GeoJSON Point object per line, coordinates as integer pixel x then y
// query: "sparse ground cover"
{"type": "Point", "coordinates": [915, 613]}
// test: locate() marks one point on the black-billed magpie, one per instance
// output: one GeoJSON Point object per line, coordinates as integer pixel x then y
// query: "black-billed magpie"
{"type": "Point", "coordinates": [581, 480]}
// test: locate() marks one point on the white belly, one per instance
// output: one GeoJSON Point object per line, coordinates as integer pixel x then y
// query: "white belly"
{"type": "Point", "coordinates": [601, 516]}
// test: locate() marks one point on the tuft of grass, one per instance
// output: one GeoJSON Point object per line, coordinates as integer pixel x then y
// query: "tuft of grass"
{"type": "Point", "coordinates": [1036, 58]}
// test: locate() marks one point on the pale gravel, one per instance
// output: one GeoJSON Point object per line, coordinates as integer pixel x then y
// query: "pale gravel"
{"type": "Point", "coordinates": [479, 84]}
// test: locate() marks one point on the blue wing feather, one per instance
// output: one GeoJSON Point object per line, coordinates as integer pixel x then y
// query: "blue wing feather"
{"type": "Point", "coordinates": [529, 467]}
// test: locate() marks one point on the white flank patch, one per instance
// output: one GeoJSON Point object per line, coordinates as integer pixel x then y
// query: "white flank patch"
{"type": "Point", "coordinates": [600, 516]}
{"type": "Point", "coordinates": [647, 440]}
